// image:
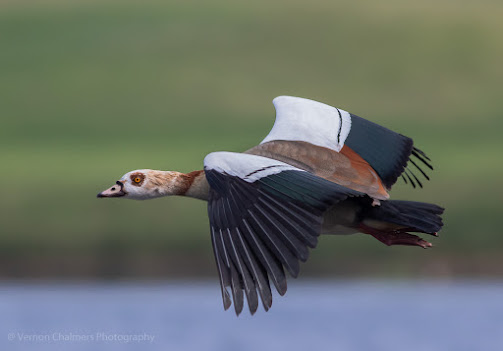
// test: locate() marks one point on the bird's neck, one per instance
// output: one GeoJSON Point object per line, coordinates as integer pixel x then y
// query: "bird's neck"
{"type": "Point", "coordinates": [191, 184]}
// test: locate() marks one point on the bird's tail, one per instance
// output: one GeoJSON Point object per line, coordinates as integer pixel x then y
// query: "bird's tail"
{"type": "Point", "coordinates": [419, 217]}
{"type": "Point", "coordinates": [392, 220]}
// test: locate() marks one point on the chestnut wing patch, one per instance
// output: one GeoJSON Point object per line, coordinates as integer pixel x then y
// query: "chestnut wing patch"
{"type": "Point", "coordinates": [345, 168]}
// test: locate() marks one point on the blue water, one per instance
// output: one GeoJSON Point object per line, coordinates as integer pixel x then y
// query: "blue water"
{"type": "Point", "coordinates": [313, 315]}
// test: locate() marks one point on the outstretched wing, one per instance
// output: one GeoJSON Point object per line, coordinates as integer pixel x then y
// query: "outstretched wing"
{"type": "Point", "coordinates": [264, 215]}
{"type": "Point", "coordinates": [362, 142]}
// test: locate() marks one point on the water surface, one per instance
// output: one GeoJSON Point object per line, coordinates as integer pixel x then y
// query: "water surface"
{"type": "Point", "coordinates": [313, 315]}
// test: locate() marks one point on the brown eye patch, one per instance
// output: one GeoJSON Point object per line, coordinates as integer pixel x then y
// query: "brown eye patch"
{"type": "Point", "coordinates": [137, 178]}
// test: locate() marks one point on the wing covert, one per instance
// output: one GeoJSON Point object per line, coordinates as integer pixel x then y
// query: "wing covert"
{"type": "Point", "coordinates": [390, 154]}
{"type": "Point", "coordinates": [299, 119]}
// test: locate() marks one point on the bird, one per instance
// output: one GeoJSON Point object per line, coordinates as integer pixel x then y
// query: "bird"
{"type": "Point", "coordinates": [320, 170]}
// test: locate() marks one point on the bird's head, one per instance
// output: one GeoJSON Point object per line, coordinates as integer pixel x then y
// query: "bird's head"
{"type": "Point", "coordinates": [142, 184]}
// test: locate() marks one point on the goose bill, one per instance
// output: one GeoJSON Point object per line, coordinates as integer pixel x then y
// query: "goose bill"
{"type": "Point", "coordinates": [115, 191]}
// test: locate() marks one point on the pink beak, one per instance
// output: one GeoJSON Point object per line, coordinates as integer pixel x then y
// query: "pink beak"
{"type": "Point", "coordinates": [115, 191]}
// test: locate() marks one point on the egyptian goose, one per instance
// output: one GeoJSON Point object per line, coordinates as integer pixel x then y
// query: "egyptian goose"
{"type": "Point", "coordinates": [321, 170]}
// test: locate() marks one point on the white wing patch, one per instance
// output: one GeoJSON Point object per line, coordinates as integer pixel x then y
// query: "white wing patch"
{"type": "Point", "coordinates": [299, 119]}
{"type": "Point", "coordinates": [250, 168]}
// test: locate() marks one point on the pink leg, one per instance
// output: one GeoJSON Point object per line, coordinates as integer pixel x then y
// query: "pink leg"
{"type": "Point", "coordinates": [395, 237]}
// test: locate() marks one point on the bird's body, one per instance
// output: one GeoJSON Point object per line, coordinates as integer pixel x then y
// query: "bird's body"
{"type": "Point", "coordinates": [321, 170]}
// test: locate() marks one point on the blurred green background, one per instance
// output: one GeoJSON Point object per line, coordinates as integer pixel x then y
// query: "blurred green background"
{"type": "Point", "coordinates": [92, 89]}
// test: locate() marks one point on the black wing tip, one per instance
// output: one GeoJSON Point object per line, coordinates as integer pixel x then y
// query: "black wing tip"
{"type": "Point", "coordinates": [267, 303]}
{"type": "Point", "coordinates": [238, 308]}
{"type": "Point", "coordinates": [226, 299]}
{"type": "Point", "coordinates": [253, 309]}
{"type": "Point", "coordinates": [420, 157]}
{"type": "Point", "coordinates": [410, 156]}
{"type": "Point", "coordinates": [253, 305]}
{"type": "Point", "coordinates": [421, 152]}
{"type": "Point", "coordinates": [388, 153]}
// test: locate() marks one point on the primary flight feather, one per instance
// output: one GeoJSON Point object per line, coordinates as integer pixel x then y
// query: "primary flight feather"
{"type": "Point", "coordinates": [321, 170]}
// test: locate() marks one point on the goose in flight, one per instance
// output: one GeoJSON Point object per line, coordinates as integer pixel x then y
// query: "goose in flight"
{"type": "Point", "coordinates": [321, 170]}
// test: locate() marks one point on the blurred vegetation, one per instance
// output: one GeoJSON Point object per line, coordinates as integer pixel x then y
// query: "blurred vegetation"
{"type": "Point", "coordinates": [92, 89]}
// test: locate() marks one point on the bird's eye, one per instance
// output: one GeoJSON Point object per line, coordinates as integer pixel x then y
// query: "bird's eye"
{"type": "Point", "coordinates": [137, 179]}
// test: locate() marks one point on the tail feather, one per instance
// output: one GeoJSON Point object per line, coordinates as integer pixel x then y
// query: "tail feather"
{"type": "Point", "coordinates": [415, 216]}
